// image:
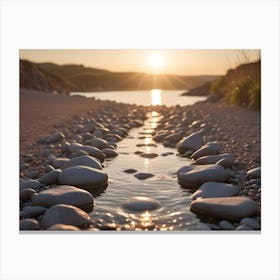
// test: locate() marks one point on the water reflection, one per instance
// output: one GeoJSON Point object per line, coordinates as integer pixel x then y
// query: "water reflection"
{"type": "Point", "coordinates": [156, 97]}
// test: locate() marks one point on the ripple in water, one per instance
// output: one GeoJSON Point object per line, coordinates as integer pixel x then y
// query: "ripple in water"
{"type": "Point", "coordinates": [173, 213]}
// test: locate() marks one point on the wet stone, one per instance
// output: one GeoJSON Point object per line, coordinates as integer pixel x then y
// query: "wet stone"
{"type": "Point", "coordinates": [130, 171]}
{"type": "Point", "coordinates": [192, 142]}
{"type": "Point", "coordinates": [148, 155]}
{"type": "Point", "coordinates": [110, 152]}
{"type": "Point", "coordinates": [141, 204]}
{"type": "Point", "coordinates": [143, 176]}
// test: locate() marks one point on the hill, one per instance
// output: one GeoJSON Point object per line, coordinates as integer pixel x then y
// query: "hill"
{"type": "Point", "coordinates": [71, 77]}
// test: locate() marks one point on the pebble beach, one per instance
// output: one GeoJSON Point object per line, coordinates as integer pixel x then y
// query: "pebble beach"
{"type": "Point", "coordinates": [67, 143]}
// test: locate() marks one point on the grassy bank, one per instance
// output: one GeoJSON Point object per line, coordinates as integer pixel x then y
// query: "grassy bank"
{"type": "Point", "coordinates": [240, 86]}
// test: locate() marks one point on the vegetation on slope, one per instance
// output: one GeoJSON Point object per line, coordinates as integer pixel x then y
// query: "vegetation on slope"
{"type": "Point", "coordinates": [241, 86]}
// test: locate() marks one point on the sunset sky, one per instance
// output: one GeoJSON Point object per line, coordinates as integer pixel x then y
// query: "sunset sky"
{"type": "Point", "coordinates": [181, 62]}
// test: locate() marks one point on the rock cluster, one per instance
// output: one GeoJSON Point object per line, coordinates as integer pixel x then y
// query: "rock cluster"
{"type": "Point", "coordinates": [58, 184]}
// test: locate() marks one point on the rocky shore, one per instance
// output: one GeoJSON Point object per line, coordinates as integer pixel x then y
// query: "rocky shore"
{"type": "Point", "coordinates": [62, 159]}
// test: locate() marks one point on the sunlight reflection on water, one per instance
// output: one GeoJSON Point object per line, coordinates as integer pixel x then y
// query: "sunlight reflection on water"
{"type": "Point", "coordinates": [156, 97]}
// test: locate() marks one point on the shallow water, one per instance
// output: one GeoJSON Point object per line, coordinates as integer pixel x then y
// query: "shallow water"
{"type": "Point", "coordinates": [145, 97]}
{"type": "Point", "coordinates": [174, 213]}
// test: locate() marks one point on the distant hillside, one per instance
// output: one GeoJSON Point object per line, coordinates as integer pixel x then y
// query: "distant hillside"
{"type": "Point", "coordinates": [33, 77]}
{"type": "Point", "coordinates": [71, 77]}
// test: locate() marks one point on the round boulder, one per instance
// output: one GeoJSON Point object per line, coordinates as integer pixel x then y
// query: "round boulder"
{"type": "Point", "coordinates": [83, 176]}
{"type": "Point", "coordinates": [64, 195]}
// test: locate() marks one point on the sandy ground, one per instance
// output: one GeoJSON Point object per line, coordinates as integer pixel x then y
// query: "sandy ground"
{"type": "Point", "coordinates": [42, 113]}
{"type": "Point", "coordinates": [236, 128]}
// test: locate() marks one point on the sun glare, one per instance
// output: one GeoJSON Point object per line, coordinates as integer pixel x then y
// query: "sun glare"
{"type": "Point", "coordinates": [156, 60]}
{"type": "Point", "coordinates": [156, 97]}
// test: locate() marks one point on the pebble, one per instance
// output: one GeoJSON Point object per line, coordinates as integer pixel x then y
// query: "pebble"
{"type": "Point", "coordinates": [148, 155]}
{"type": "Point", "coordinates": [63, 227]}
{"type": "Point", "coordinates": [48, 168]}
{"type": "Point", "coordinates": [64, 194]}
{"type": "Point", "coordinates": [146, 145]}
{"type": "Point", "coordinates": [84, 160]}
{"type": "Point", "coordinates": [193, 176]}
{"type": "Point", "coordinates": [192, 142]}
{"type": "Point", "coordinates": [98, 143]}
{"type": "Point", "coordinates": [30, 184]}
{"type": "Point", "coordinates": [58, 162]}
{"type": "Point", "coordinates": [65, 214]}
{"type": "Point", "coordinates": [143, 176]}
{"type": "Point", "coordinates": [25, 194]}
{"type": "Point", "coordinates": [51, 177]}
{"type": "Point", "coordinates": [211, 148]}
{"type": "Point", "coordinates": [29, 224]}
{"type": "Point", "coordinates": [141, 204]}
{"type": "Point", "coordinates": [250, 222]}
{"type": "Point", "coordinates": [83, 176]}
{"type": "Point", "coordinates": [109, 152]}
{"type": "Point", "coordinates": [167, 154]}
{"type": "Point", "coordinates": [32, 211]}
{"type": "Point", "coordinates": [254, 173]}
{"type": "Point", "coordinates": [55, 137]}
{"type": "Point", "coordinates": [226, 225]}
{"type": "Point", "coordinates": [229, 208]}
{"type": "Point", "coordinates": [215, 189]}
{"type": "Point", "coordinates": [33, 174]}
{"type": "Point", "coordinates": [174, 137]}
{"type": "Point", "coordinates": [130, 171]}
{"type": "Point", "coordinates": [227, 158]}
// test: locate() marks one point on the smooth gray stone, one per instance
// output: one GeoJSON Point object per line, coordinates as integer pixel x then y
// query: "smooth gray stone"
{"type": "Point", "coordinates": [30, 184]}
{"type": "Point", "coordinates": [250, 222]}
{"type": "Point", "coordinates": [32, 211]}
{"type": "Point", "coordinates": [143, 176]}
{"type": "Point", "coordinates": [63, 227]}
{"type": "Point", "coordinates": [193, 176]}
{"type": "Point", "coordinates": [26, 194]}
{"type": "Point", "coordinates": [98, 143]}
{"type": "Point", "coordinates": [254, 173]}
{"type": "Point", "coordinates": [130, 171]}
{"type": "Point", "coordinates": [109, 152]}
{"type": "Point", "coordinates": [64, 195]}
{"type": "Point", "coordinates": [174, 137]}
{"type": "Point", "coordinates": [148, 155]}
{"type": "Point", "coordinates": [92, 151]}
{"type": "Point", "coordinates": [84, 161]}
{"type": "Point", "coordinates": [65, 214]}
{"type": "Point", "coordinates": [141, 204]}
{"type": "Point", "coordinates": [33, 174]}
{"type": "Point", "coordinates": [215, 189]}
{"type": "Point", "coordinates": [55, 137]}
{"type": "Point", "coordinates": [50, 178]}
{"type": "Point", "coordinates": [58, 162]}
{"type": "Point", "coordinates": [83, 176]}
{"type": "Point", "coordinates": [211, 148]}
{"type": "Point", "coordinates": [192, 142]}
{"type": "Point", "coordinates": [226, 225]}
{"type": "Point", "coordinates": [229, 208]}
{"type": "Point", "coordinates": [29, 224]}
{"type": "Point", "coordinates": [229, 159]}
{"type": "Point", "coordinates": [160, 136]}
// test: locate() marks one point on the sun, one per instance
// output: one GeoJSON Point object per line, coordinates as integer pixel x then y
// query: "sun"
{"type": "Point", "coordinates": [156, 60]}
